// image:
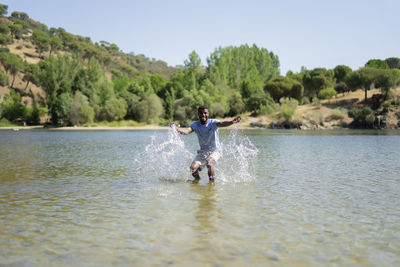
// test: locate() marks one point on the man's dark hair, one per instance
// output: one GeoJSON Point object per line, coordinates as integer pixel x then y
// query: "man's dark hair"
{"type": "Point", "coordinates": [201, 108]}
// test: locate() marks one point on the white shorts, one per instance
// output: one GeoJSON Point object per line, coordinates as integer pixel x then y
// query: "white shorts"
{"type": "Point", "coordinates": [202, 156]}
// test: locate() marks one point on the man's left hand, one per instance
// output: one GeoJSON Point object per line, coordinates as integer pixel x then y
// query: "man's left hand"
{"type": "Point", "coordinates": [237, 119]}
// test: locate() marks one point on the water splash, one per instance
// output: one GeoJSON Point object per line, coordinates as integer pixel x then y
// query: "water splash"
{"type": "Point", "coordinates": [167, 158]}
{"type": "Point", "coordinates": [239, 157]}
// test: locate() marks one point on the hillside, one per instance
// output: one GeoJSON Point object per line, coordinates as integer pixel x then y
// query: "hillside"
{"type": "Point", "coordinates": [329, 114]}
{"type": "Point", "coordinates": [115, 61]}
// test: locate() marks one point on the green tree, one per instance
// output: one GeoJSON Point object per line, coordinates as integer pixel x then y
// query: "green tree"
{"type": "Point", "coordinates": [340, 72]}
{"type": "Point", "coordinates": [55, 44]}
{"type": "Point", "coordinates": [386, 79]}
{"type": "Point", "coordinates": [31, 74]}
{"type": "Point", "coordinates": [33, 114]}
{"type": "Point", "coordinates": [176, 82]}
{"type": "Point", "coordinates": [20, 15]}
{"type": "Point", "coordinates": [16, 30]}
{"type": "Point", "coordinates": [80, 111]}
{"type": "Point", "coordinates": [56, 77]}
{"type": "Point", "coordinates": [12, 63]}
{"type": "Point", "coordinates": [377, 64]}
{"type": "Point", "coordinates": [3, 10]}
{"type": "Point", "coordinates": [353, 81]}
{"type": "Point", "coordinates": [169, 103]}
{"type": "Point", "coordinates": [114, 109]}
{"type": "Point", "coordinates": [327, 93]}
{"type": "Point", "coordinates": [94, 84]}
{"type": "Point", "coordinates": [257, 101]}
{"type": "Point", "coordinates": [193, 71]}
{"type": "Point", "coordinates": [63, 103]}
{"type": "Point", "coordinates": [132, 101]}
{"type": "Point", "coordinates": [342, 87]}
{"type": "Point", "coordinates": [121, 83]}
{"type": "Point", "coordinates": [149, 109]}
{"type": "Point", "coordinates": [229, 67]}
{"type": "Point", "coordinates": [4, 29]}
{"type": "Point", "coordinates": [11, 106]}
{"type": "Point", "coordinates": [362, 117]}
{"type": "Point", "coordinates": [3, 78]}
{"type": "Point", "coordinates": [5, 39]}
{"type": "Point", "coordinates": [19, 27]}
{"type": "Point", "coordinates": [251, 86]}
{"type": "Point", "coordinates": [367, 78]}
{"type": "Point", "coordinates": [393, 62]}
{"type": "Point", "coordinates": [157, 83]}
{"type": "Point", "coordinates": [316, 80]}
{"type": "Point", "coordinates": [68, 40]}
{"type": "Point", "coordinates": [284, 87]}
{"type": "Point", "coordinates": [236, 104]}
{"type": "Point", "coordinates": [41, 40]}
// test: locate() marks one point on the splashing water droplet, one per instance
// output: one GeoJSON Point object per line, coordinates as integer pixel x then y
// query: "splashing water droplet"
{"type": "Point", "coordinates": [238, 161]}
{"type": "Point", "coordinates": [167, 158]}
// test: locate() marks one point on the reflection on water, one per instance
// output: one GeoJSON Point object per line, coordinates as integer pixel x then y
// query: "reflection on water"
{"type": "Point", "coordinates": [314, 198]}
{"type": "Point", "coordinates": [206, 214]}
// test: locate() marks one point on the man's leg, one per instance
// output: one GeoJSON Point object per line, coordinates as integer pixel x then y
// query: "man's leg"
{"type": "Point", "coordinates": [194, 168]}
{"type": "Point", "coordinates": [211, 171]}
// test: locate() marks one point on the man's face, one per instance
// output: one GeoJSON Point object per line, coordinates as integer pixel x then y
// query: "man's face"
{"type": "Point", "coordinates": [203, 116]}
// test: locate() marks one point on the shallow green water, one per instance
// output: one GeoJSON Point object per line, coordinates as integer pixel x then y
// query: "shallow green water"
{"type": "Point", "coordinates": [99, 198]}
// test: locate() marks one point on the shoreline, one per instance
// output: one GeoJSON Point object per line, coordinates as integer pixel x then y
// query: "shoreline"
{"type": "Point", "coordinates": [157, 127]}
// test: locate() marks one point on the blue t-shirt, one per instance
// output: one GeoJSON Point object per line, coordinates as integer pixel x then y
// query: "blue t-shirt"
{"type": "Point", "coordinates": [207, 134]}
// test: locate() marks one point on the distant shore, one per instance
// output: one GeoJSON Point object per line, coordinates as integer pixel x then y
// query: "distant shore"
{"type": "Point", "coordinates": [73, 128]}
{"type": "Point", "coordinates": [80, 128]}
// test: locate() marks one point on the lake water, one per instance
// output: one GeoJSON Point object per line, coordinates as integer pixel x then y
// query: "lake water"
{"type": "Point", "coordinates": [121, 198]}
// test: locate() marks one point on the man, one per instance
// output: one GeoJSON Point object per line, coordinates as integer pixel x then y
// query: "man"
{"type": "Point", "coordinates": [210, 148]}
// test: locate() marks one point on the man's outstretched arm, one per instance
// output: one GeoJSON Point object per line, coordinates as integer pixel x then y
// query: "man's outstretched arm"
{"type": "Point", "coordinates": [181, 131]}
{"type": "Point", "coordinates": [229, 123]}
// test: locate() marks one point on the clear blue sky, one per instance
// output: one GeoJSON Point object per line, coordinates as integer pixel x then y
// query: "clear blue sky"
{"type": "Point", "coordinates": [310, 33]}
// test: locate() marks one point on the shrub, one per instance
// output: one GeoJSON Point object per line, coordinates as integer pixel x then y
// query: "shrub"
{"type": "Point", "coordinates": [28, 46]}
{"type": "Point", "coordinates": [267, 109]}
{"type": "Point", "coordinates": [362, 117]}
{"type": "Point", "coordinates": [341, 87]}
{"type": "Point", "coordinates": [236, 104]}
{"type": "Point", "coordinates": [11, 107]}
{"type": "Point", "coordinates": [114, 109]}
{"type": "Point", "coordinates": [337, 114]}
{"type": "Point", "coordinates": [217, 110]}
{"type": "Point", "coordinates": [317, 118]}
{"type": "Point", "coordinates": [32, 114]}
{"type": "Point", "coordinates": [149, 109]}
{"type": "Point", "coordinates": [315, 101]}
{"type": "Point", "coordinates": [327, 93]}
{"type": "Point", "coordinates": [86, 113]}
{"type": "Point", "coordinates": [3, 79]}
{"type": "Point", "coordinates": [4, 122]}
{"type": "Point", "coordinates": [305, 100]}
{"type": "Point", "coordinates": [258, 101]}
{"type": "Point", "coordinates": [19, 47]}
{"type": "Point", "coordinates": [386, 106]}
{"type": "Point", "coordinates": [288, 107]}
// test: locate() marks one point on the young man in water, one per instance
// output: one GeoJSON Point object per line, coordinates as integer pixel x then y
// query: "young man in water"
{"type": "Point", "coordinates": [210, 148]}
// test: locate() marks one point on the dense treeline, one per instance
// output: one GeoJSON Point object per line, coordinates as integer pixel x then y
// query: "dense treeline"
{"type": "Point", "coordinates": [85, 82]}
